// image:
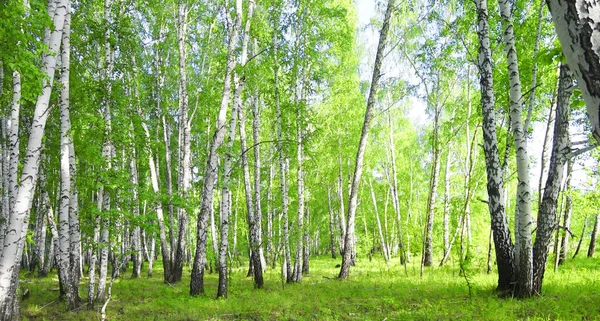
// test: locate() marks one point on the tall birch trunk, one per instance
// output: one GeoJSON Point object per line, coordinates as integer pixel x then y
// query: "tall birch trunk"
{"type": "Point", "coordinates": [331, 225]}
{"type": "Point", "coordinates": [225, 208]}
{"type": "Point", "coordinates": [297, 273]}
{"type": "Point", "coordinates": [17, 225]}
{"type": "Point", "coordinates": [546, 222]}
{"type": "Point", "coordinates": [257, 177]}
{"type": "Point", "coordinates": [286, 266]}
{"type": "Point", "coordinates": [185, 169]}
{"type": "Point", "coordinates": [349, 240]}
{"type": "Point", "coordinates": [525, 268]}
{"type": "Point", "coordinates": [427, 256]}
{"type": "Point", "coordinates": [68, 230]}
{"type": "Point", "coordinates": [502, 240]}
{"type": "Point", "coordinates": [211, 171]}
{"type": "Point", "coordinates": [394, 191]}
{"type": "Point", "coordinates": [135, 232]}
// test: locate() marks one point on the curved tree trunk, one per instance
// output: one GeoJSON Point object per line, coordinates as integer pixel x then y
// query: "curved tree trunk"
{"type": "Point", "coordinates": [347, 259]}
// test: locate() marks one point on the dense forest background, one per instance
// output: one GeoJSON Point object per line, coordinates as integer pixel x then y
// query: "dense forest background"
{"type": "Point", "coordinates": [175, 140]}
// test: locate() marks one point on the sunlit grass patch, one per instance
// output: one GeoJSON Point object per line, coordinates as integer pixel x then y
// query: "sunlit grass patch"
{"type": "Point", "coordinates": [375, 291]}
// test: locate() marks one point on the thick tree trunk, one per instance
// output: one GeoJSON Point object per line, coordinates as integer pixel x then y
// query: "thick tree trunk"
{"type": "Point", "coordinates": [211, 171]}
{"type": "Point", "coordinates": [347, 259]}
{"type": "Point", "coordinates": [577, 25]}
{"type": "Point", "coordinates": [17, 226]}
{"type": "Point", "coordinates": [502, 240]}
{"type": "Point", "coordinates": [545, 146]}
{"type": "Point", "coordinates": [546, 222]}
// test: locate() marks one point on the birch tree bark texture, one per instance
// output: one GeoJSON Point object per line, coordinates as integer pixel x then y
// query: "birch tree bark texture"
{"type": "Point", "coordinates": [14, 238]}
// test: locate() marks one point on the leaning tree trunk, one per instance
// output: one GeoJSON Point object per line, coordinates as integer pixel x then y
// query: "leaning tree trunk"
{"type": "Point", "coordinates": [577, 24]}
{"type": "Point", "coordinates": [546, 222]}
{"type": "Point", "coordinates": [15, 240]}
{"type": "Point", "coordinates": [211, 171]}
{"type": "Point", "coordinates": [384, 246]}
{"type": "Point", "coordinates": [347, 259]}
{"type": "Point", "coordinates": [592, 247]}
{"type": "Point", "coordinates": [502, 240]}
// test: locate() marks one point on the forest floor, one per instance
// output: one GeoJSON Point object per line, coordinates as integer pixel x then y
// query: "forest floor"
{"type": "Point", "coordinates": [375, 291]}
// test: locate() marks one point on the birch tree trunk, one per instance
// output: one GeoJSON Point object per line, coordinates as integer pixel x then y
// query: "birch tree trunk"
{"type": "Point", "coordinates": [427, 257]}
{"type": "Point", "coordinates": [347, 259]}
{"type": "Point", "coordinates": [135, 233]}
{"type": "Point", "coordinates": [17, 226]}
{"type": "Point", "coordinates": [568, 209]}
{"type": "Point", "coordinates": [577, 25]}
{"type": "Point", "coordinates": [257, 176]}
{"type": "Point", "coordinates": [185, 167]}
{"type": "Point", "coordinates": [384, 246]}
{"type": "Point", "coordinates": [546, 222]}
{"type": "Point", "coordinates": [286, 267]}
{"type": "Point", "coordinates": [447, 205]}
{"type": "Point", "coordinates": [394, 191]}
{"type": "Point", "coordinates": [525, 268]}
{"type": "Point", "coordinates": [225, 207]}
{"type": "Point", "coordinates": [331, 225]}
{"type": "Point", "coordinates": [68, 231]}
{"type": "Point", "coordinates": [297, 273]}
{"type": "Point", "coordinates": [502, 240]}
{"type": "Point", "coordinates": [211, 171]}
{"type": "Point", "coordinates": [592, 247]}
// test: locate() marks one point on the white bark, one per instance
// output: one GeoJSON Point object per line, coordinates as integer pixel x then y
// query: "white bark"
{"type": "Point", "coordinates": [349, 241]}
{"type": "Point", "coordinates": [525, 268]}
{"type": "Point", "coordinates": [14, 238]}
{"type": "Point", "coordinates": [495, 189]}
{"type": "Point", "coordinates": [578, 27]}
{"type": "Point", "coordinates": [185, 168]}
{"type": "Point", "coordinates": [210, 175]}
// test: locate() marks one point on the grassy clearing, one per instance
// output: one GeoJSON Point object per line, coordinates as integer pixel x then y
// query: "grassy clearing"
{"type": "Point", "coordinates": [376, 291]}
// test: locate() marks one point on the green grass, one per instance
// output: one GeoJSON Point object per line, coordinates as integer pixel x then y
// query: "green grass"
{"type": "Point", "coordinates": [375, 291]}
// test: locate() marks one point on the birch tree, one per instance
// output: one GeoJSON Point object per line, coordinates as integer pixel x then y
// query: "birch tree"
{"type": "Point", "coordinates": [14, 238]}
{"type": "Point", "coordinates": [210, 175]}
{"type": "Point", "coordinates": [502, 240]}
{"type": "Point", "coordinates": [350, 225]}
